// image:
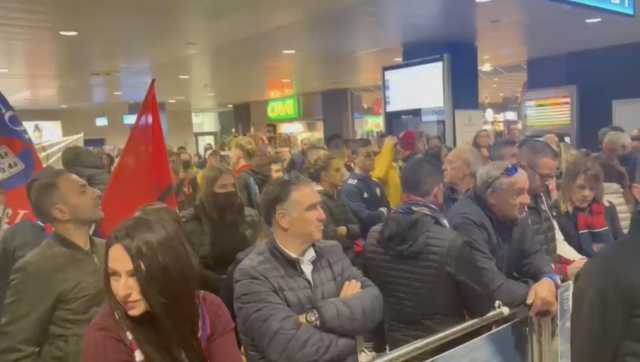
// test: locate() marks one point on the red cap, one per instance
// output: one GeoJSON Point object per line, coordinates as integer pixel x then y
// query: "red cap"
{"type": "Point", "coordinates": [407, 140]}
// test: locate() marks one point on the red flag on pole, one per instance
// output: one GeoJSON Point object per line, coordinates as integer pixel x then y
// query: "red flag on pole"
{"type": "Point", "coordinates": [142, 174]}
{"type": "Point", "coordinates": [19, 162]}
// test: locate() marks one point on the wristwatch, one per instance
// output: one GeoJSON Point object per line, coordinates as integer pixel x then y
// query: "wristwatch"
{"type": "Point", "coordinates": [312, 318]}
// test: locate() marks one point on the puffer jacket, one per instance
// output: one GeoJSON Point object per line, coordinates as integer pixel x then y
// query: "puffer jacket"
{"type": "Point", "coordinates": [539, 217]}
{"type": "Point", "coordinates": [338, 214]}
{"type": "Point", "coordinates": [614, 194]}
{"type": "Point", "coordinates": [408, 258]}
{"type": "Point", "coordinates": [271, 291]}
{"type": "Point", "coordinates": [86, 165]}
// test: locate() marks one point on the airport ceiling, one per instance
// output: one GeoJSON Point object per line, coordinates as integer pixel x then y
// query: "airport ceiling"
{"type": "Point", "coordinates": [227, 50]}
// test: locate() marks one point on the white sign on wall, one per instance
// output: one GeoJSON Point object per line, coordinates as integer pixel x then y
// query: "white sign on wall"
{"type": "Point", "coordinates": [468, 122]}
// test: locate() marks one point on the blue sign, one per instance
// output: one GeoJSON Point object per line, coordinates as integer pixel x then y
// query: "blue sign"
{"type": "Point", "coordinates": [625, 7]}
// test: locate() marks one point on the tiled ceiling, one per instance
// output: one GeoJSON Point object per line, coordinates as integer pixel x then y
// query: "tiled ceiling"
{"type": "Point", "coordinates": [231, 48]}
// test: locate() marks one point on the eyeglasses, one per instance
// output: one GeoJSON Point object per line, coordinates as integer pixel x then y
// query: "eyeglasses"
{"type": "Point", "coordinates": [509, 171]}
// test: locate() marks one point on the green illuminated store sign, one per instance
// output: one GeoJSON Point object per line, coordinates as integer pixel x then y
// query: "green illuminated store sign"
{"type": "Point", "coordinates": [283, 109]}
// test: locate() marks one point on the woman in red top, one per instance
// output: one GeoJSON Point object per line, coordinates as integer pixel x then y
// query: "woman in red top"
{"type": "Point", "coordinates": [155, 312]}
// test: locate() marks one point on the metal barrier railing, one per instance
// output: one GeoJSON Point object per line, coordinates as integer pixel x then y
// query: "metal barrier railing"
{"type": "Point", "coordinates": [429, 343]}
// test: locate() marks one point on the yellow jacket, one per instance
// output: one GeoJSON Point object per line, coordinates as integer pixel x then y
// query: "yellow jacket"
{"type": "Point", "coordinates": [387, 173]}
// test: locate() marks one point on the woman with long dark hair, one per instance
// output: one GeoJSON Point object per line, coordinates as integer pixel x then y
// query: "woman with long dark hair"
{"type": "Point", "coordinates": [221, 226]}
{"type": "Point", "coordinates": [155, 312]}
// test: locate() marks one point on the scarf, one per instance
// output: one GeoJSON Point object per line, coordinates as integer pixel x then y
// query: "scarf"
{"type": "Point", "coordinates": [203, 334]}
{"type": "Point", "coordinates": [593, 231]}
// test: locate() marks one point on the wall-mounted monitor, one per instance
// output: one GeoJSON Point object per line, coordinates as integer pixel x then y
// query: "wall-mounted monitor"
{"type": "Point", "coordinates": [102, 121]}
{"type": "Point", "coordinates": [417, 95]}
{"type": "Point", "coordinates": [129, 119]}
{"type": "Point", "coordinates": [623, 7]}
{"type": "Point", "coordinates": [414, 86]}
{"type": "Point", "coordinates": [551, 110]}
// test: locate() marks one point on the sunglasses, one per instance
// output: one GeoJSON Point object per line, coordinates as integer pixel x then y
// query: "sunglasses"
{"type": "Point", "coordinates": [509, 171]}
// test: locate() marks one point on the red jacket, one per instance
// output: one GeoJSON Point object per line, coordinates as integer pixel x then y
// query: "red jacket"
{"type": "Point", "coordinates": [104, 339]}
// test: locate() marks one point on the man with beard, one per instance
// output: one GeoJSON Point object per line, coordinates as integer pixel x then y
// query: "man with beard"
{"type": "Point", "coordinates": [220, 226]}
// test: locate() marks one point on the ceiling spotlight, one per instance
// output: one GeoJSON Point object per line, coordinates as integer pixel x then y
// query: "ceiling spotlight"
{"type": "Point", "coordinates": [482, 1]}
{"type": "Point", "coordinates": [486, 67]}
{"type": "Point", "coordinates": [495, 79]}
{"type": "Point", "coordinates": [486, 57]}
{"type": "Point", "coordinates": [64, 106]}
{"type": "Point", "coordinates": [592, 20]}
{"type": "Point", "coordinates": [495, 86]}
{"type": "Point", "coordinates": [68, 33]}
{"type": "Point", "coordinates": [211, 94]}
{"type": "Point", "coordinates": [171, 101]}
{"type": "Point", "coordinates": [229, 105]}
{"type": "Point", "coordinates": [4, 70]}
{"type": "Point", "coordinates": [397, 59]}
{"type": "Point", "coordinates": [286, 81]}
{"type": "Point", "coordinates": [184, 76]}
{"type": "Point", "coordinates": [501, 94]}
{"type": "Point", "coordinates": [288, 51]}
{"type": "Point", "coordinates": [117, 93]}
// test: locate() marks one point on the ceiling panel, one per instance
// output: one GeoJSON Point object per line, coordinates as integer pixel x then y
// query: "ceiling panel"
{"type": "Point", "coordinates": [233, 47]}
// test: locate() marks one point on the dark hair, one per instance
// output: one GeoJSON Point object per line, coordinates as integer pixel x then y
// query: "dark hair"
{"type": "Point", "coordinates": [500, 145]}
{"type": "Point", "coordinates": [167, 272]}
{"type": "Point", "coordinates": [532, 151]}
{"type": "Point", "coordinates": [277, 193]}
{"type": "Point", "coordinates": [475, 138]}
{"type": "Point", "coordinates": [585, 165]}
{"type": "Point", "coordinates": [335, 142]}
{"type": "Point", "coordinates": [210, 177]}
{"type": "Point", "coordinates": [421, 176]}
{"type": "Point", "coordinates": [319, 165]}
{"type": "Point", "coordinates": [360, 144]}
{"type": "Point", "coordinates": [44, 192]}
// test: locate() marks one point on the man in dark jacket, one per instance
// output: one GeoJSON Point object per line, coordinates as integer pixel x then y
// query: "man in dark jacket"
{"type": "Point", "coordinates": [364, 196]}
{"type": "Point", "coordinates": [56, 290]}
{"type": "Point", "coordinates": [499, 260]}
{"type": "Point", "coordinates": [19, 240]}
{"type": "Point", "coordinates": [606, 304]}
{"type": "Point", "coordinates": [87, 165]}
{"type": "Point", "coordinates": [416, 241]}
{"type": "Point", "coordinates": [298, 299]}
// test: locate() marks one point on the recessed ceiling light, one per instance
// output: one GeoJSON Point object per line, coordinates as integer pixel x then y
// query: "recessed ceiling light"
{"type": "Point", "coordinates": [68, 33]}
{"type": "Point", "coordinates": [117, 93]}
{"type": "Point", "coordinates": [286, 81]}
{"type": "Point", "coordinates": [486, 57]}
{"type": "Point", "coordinates": [288, 51]}
{"type": "Point", "coordinates": [397, 59]}
{"type": "Point", "coordinates": [64, 106]}
{"type": "Point", "coordinates": [230, 105]}
{"type": "Point", "coordinates": [184, 76]}
{"type": "Point", "coordinates": [4, 70]}
{"type": "Point", "coordinates": [592, 20]}
{"type": "Point", "coordinates": [171, 101]}
{"type": "Point", "coordinates": [495, 86]}
{"type": "Point", "coordinates": [211, 94]}
{"type": "Point", "coordinates": [495, 79]}
{"type": "Point", "coordinates": [482, 1]}
{"type": "Point", "coordinates": [486, 67]}
{"type": "Point", "coordinates": [501, 94]}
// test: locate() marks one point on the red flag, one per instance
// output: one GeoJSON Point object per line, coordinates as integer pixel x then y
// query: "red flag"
{"type": "Point", "coordinates": [19, 162]}
{"type": "Point", "coordinates": [142, 174]}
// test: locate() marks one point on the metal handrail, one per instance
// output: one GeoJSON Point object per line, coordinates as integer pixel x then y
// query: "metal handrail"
{"type": "Point", "coordinates": [423, 345]}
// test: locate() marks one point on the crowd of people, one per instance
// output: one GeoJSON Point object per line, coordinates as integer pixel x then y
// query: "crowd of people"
{"type": "Point", "coordinates": [334, 252]}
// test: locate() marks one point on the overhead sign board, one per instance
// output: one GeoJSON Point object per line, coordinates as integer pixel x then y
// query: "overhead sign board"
{"type": "Point", "coordinates": [624, 7]}
{"type": "Point", "coordinates": [283, 109]}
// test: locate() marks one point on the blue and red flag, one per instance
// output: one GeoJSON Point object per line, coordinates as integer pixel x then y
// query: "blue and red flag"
{"type": "Point", "coordinates": [19, 161]}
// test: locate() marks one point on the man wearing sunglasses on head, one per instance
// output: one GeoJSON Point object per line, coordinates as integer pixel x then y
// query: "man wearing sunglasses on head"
{"type": "Point", "coordinates": [500, 260]}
